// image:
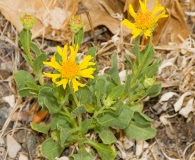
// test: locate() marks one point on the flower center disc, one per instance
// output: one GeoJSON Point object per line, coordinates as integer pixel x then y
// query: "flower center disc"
{"type": "Point", "coordinates": [144, 20]}
{"type": "Point", "coordinates": [69, 69]}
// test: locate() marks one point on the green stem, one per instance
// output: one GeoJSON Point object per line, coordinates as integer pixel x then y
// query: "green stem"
{"type": "Point", "coordinates": [28, 47]}
{"type": "Point", "coordinates": [77, 103]}
{"type": "Point", "coordinates": [67, 113]}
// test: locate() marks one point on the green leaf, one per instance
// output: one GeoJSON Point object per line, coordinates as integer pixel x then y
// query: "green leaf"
{"type": "Point", "coordinates": [121, 121]}
{"type": "Point", "coordinates": [51, 149]}
{"type": "Point", "coordinates": [100, 87]}
{"type": "Point", "coordinates": [25, 39]}
{"type": "Point", "coordinates": [114, 70]}
{"type": "Point", "coordinates": [38, 62]}
{"type": "Point", "coordinates": [135, 48]}
{"type": "Point", "coordinates": [59, 120]}
{"type": "Point", "coordinates": [26, 92]}
{"type": "Point", "coordinates": [22, 79]}
{"type": "Point", "coordinates": [82, 155]}
{"type": "Point", "coordinates": [105, 151]}
{"type": "Point", "coordinates": [92, 51]}
{"type": "Point", "coordinates": [137, 108]}
{"type": "Point", "coordinates": [107, 136]}
{"type": "Point", "coordinates": [60, 94]}
{"type": "Point", "coordinates": [139, 132]}
{"type": "Point", "coordinates": [65, 133]}
{"type": "Point", "coordinates": [35, 48]}
{"type": "Point", "coordinates": [85, 125]}
{"type": "Point", "coordinates": [27, 86]}
{"type": "Point", "coordinates": [78, 111]}
{"type": "Point", "coordinates": [84, 95]}
{"type": "Point", "coordinates": [127, 83]}
{"type": "Point", "coordinates": [42, 128]}
{"type": "Point", "coordinates": [79, 37]}
{"type": "Point", "coordinates": [129, 62]}
{"type": "Point", "coordinates": [116, 92]}
{"type": "Point", "coordinates": [142, 119]}
{"type": "Point", "coordinates": [48, 100]}
{"type": "Point", "coordinates": [151, 70]}
{"type": "Point", "coordinates": [153, 91]}
{"type": "Point", "coordinates": [150, 56]}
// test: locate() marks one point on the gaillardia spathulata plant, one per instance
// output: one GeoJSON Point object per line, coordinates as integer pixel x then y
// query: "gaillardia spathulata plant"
{"type": "Point", "coordinates": [82, 103]}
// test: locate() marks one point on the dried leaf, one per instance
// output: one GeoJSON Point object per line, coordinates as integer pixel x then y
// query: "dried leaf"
{"type": "Point", "coordinates": [167, 96]}
{"type": "Point", "coordinates": [187, 109]}
{"type": "Point", "coordinates": [179, 103]}
{"type": "Point", "coordinates": [51, 15]}
{"type": "Point", "coordinates": [40, 116]}
{"type": "Point", "coordinates": [101, 13]}
{"type": "Point", "coordinates": [10, 100]}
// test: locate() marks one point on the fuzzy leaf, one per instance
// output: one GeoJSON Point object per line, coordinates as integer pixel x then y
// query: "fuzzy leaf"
{"type": "Point", "coordinates": [42, 128]}
{"type": "Point", "coordinates": [35, 48]}
{"type": "Point", "coordinates": [114, 70]}
{"type": "Point", "coordinates": [153, 91]}
{"type": "Point", "coordinates": [27, 86]}
{"type": "Point", "coordinates": [38, 62]}
{"type": "Point", "coordinates": [51, 149]}
{"type": "Point", "coordinates": [84, 95]}
{"type": "Point", "coordinates": [85, 125]}
{"type": "Point", "coordinates": [83, 155]}
{"type": "Point", "coordinates": [121, 121]}
{"type": "Point", "coordinates": [79, 37]}
{"type": "Point", "coordinates": [142, 119]}
{"type": "Point", "coordinates": [105, 151]}
{"type": "Point", "coordinates": [116, 92]}
{"type": "Point", "coordinates": [92, 51]}
{"type": "Point", "coordinates": [139, 132]}
{"type": "Point", "coordinates": [25, 39]}
{"type": "Point", "coordinates": [78, 111]}
{"type": "Point", "coordinates": [48, 100]}
{"type": "Point", "coordinates": [107, 136]}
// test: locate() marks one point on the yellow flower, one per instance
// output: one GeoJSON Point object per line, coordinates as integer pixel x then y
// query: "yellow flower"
{"type": "Point", "coordinates": [68, 69]}
{"type": "Point", "coordinates": [145, 21]}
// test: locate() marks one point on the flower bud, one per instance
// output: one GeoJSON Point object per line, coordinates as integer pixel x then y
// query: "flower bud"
{"type": "Point", "coordinates": [149, 82]}
{"type": "Point", "coordinates": [108, 102]}
{"type": "Point", "coordinates": [28, 21]}
{"type": "Point", "coordinates": [76, 23]}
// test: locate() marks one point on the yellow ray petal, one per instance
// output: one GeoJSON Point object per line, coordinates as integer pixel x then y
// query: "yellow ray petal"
{"type": "Point", "coordinates": [53, 76]}
{"type": "Point", "coordinates": [132, 12]}
{"type": "Point", "coordinates": [73, 53]}
{"type": "Point", "coordinates": [62, 82]}
{"type": "Point", "coordinates": [147, 33]}
{"type": "Point", "coordinates": [87, 73]}
{"type": "Point", "coordinates": [76, 84]}
{"type": "Point", "coordinates": [143, 6]}
{"type": "Point", "coordinates": [85, 63]}
{"type": "Point", "coordinates": [53, 63]}
{"type": "Point", "coordinates": [128, 24]}
{"type": "Point", "coordinates": [136, 32]}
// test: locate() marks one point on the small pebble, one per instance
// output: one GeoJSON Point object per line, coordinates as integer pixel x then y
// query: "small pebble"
{"type": "Point", "coordinates": [12, 146]}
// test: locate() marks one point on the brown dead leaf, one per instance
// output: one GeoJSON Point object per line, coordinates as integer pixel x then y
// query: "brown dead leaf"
{"type": "Point", "coordinates": [40, 116]}
{"type": "Point", "coordinates": [168, 28]}
{"type": "Point", "coordinates": [51, 15]}
{"type": "Point", "coordinates": [101, 13]}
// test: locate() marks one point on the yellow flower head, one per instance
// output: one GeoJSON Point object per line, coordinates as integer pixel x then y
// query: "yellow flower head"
{"type": "Point", "coordinates": [68, 69]}
{"type": "Point", "coordinates": [145, 21]}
